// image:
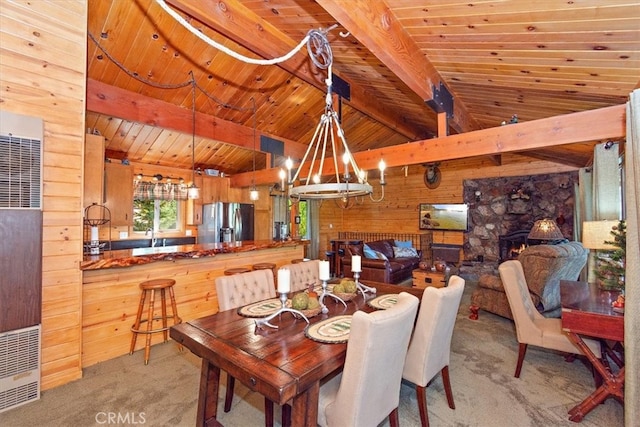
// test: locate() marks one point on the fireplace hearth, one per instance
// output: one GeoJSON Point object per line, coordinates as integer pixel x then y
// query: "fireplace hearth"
{"type": "Point", "coordinates": [510, 245]}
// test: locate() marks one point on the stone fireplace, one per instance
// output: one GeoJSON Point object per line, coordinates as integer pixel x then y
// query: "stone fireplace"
{"type": "Point", "coordinates": [502, 210]}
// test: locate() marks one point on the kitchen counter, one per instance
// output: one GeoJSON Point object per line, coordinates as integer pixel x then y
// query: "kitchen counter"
{"type": "Point", "coordinates": [130, 257]}
{"type": "Point", "coordinates": [111, 286]}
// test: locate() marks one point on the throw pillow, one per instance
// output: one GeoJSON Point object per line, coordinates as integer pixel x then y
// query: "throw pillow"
{"type": "Point", "coordinates": [403, 244]}
{"type": "Point", "coordinates": [382, 256]}
{"type": "Point", "coordinates": [368, 252]}
{"type": "Point", "coordinates": [404, 252]}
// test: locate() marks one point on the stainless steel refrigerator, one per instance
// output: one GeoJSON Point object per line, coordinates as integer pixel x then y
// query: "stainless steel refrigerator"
{"type": "Point", "coordinates": [226, 222]}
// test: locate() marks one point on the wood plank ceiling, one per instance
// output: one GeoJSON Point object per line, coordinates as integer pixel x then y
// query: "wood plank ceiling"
{"type": "Point", "coordinates": [498, 59]}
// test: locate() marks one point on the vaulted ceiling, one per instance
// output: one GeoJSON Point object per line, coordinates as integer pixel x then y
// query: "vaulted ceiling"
{"type": "Point", "coordinates": [497, 59]}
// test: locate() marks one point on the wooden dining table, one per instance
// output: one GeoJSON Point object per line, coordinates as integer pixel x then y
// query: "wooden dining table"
{"type": "Point", "coordinates": [587, 311]}
{"type": "Point", "coordinates": [281, 364]}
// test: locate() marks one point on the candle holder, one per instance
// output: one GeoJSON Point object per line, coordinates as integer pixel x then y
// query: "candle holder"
{"type": "Point", "coordinates": [362, 287]}
{"type": "Point", "coordinates": [326, 292]}
{"type": "Point", "coordinates": [283, 309]}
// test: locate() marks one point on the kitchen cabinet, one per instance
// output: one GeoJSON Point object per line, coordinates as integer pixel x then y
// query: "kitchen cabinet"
{"type": "Point", "coordinates": [119, 193]}
{"type": "Point", "coordinates": [93, 170]}
{"type": "Point", "coordinates": [215, 189]}
{"type": "Point", "coordinates": [194, 206]}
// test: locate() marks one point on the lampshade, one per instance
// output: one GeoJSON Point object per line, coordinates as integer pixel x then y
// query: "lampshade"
{"type": "Point", "coordinates": [545, 229]}
{"type": "Point", "coordinates": [595, 233]}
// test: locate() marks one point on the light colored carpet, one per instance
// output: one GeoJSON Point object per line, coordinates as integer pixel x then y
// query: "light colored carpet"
{"type": "Point", "coordinates": [484, 354]}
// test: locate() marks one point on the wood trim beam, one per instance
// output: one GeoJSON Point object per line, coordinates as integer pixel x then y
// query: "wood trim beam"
{"type": "Point", "coordinates": [519, 137]}
{"type": "Point", "coordinates": [443, 125]}
{"type": "Point", "coordinates": [121, 103]}
{"type": "Point", "coordinates": [375, 26]}
{"type": "Point", "coordinates": [233, 20]}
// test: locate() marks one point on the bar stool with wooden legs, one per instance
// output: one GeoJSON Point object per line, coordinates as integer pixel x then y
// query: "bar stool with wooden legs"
{"type": "Point", "coordinates": [150, 287]}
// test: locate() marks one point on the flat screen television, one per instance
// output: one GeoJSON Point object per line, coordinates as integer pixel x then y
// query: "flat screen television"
{"type": "Point", "coordinates": [450, 217]}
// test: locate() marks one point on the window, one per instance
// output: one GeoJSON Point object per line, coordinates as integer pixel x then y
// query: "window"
{"type": "Point", "coordinates": [304, 219]}
{"type": "Point", "coordinates": [159, 215]}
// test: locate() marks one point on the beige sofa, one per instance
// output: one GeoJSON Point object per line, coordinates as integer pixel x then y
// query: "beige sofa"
{"type": "Point", "coordinates": [544, 266]}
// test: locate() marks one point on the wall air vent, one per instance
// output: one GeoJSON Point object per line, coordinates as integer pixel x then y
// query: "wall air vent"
{"type": "Point", "coordinates": [20, 161]}
{"type": "Point", "coordinates": [19, 367]}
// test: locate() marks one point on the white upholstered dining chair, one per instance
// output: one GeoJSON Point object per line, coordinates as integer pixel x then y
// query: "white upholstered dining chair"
{"type": "Point", "coordinates": [238, 290]}
{"type": "Point", "coordinates": [368, 389]}
{"type": "Point", "coordinates": [430, 345]}
{"type": "Point", "coordinates": [531, 327]}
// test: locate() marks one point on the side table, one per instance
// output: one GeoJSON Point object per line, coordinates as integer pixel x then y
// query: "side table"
{"type": "Point", "coordinates": [424, 278]}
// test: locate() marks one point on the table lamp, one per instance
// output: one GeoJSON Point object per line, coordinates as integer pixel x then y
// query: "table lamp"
{"type": "Point", "coordinates": [595, 233]}
{"type": "Point", "coordinates": [545, 229]}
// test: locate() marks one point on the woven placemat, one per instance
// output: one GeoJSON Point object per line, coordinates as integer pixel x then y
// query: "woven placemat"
{"type": "Point", "coordinates": [383, 302]}
{"type": "Point", "coordinates": [333, 330]}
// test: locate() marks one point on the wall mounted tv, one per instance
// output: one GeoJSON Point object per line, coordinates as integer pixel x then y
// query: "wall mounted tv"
{"type": "Point", "coordinates": [450, 217]}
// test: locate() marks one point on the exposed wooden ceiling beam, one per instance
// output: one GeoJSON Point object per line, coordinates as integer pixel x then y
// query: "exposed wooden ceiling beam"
{"type": "Point", "coordinates": [244, 27]}
{"type": "Point", "coordinates": [375, 26]}
{"type": "Point", "coordinates": [524, 136]}
{"type": "Point", "coordinates": [117, 102]}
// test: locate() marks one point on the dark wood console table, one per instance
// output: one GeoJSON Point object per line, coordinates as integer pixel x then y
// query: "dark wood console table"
{"type": "Point", "coordinates": [587, 310]}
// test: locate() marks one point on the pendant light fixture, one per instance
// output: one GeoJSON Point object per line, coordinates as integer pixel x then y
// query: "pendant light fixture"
{"type": "Point", "coordinates": [253, 194]}
{"type": "Point", "coordinates": [193, 192]}
{"type": "Point", "coordinates": [329, 144]}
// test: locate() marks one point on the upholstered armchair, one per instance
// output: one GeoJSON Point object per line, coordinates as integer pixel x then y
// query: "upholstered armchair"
{"type": "Point", "coordinates": [531, 327]}
{"type": "Point", "coordinates": [544, 266]}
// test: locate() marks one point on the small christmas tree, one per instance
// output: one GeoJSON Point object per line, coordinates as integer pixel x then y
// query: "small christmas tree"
{"type": "Point", "coordinates": [611, 264]}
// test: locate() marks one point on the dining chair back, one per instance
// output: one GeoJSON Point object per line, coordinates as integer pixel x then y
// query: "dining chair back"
{"type": "Point", "coordinates": [238, 290]}
{"type": "Point", "coordinates": [303, 274]}
{"type": "Point", "coordinates": [531, 327]}
{"type": "Point", "coordinates": [430, 346]}
{"type": "Point", "coordinates": [244, 288]}
{"type": "Point", "coordinates": [368, 389]}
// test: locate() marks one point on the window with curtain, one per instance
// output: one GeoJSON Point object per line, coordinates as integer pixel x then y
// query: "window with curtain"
{"type": "Point", "coordinates": [157, 207]}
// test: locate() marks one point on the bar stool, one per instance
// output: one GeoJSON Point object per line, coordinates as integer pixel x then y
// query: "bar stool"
{"type": "Point", "coordinates": [150, 287]}
{"type": "Point", "coordinates": [237, 270]}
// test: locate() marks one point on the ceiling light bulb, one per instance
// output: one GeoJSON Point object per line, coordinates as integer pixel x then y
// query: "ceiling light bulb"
{"type": "Point", "coordinates": [316, 179]}
{"type": "Point", "coordinates": [254, 195]}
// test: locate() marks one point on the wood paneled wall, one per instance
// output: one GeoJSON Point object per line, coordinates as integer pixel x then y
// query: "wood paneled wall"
{"type": "Point", "coordinates": [405, 190]}
{"type": "Point", "coordinates": [43, 74]}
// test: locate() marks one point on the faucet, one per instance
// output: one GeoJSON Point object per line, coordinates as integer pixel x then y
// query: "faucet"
{"type": "Point", "coordinates": [153, 239]}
